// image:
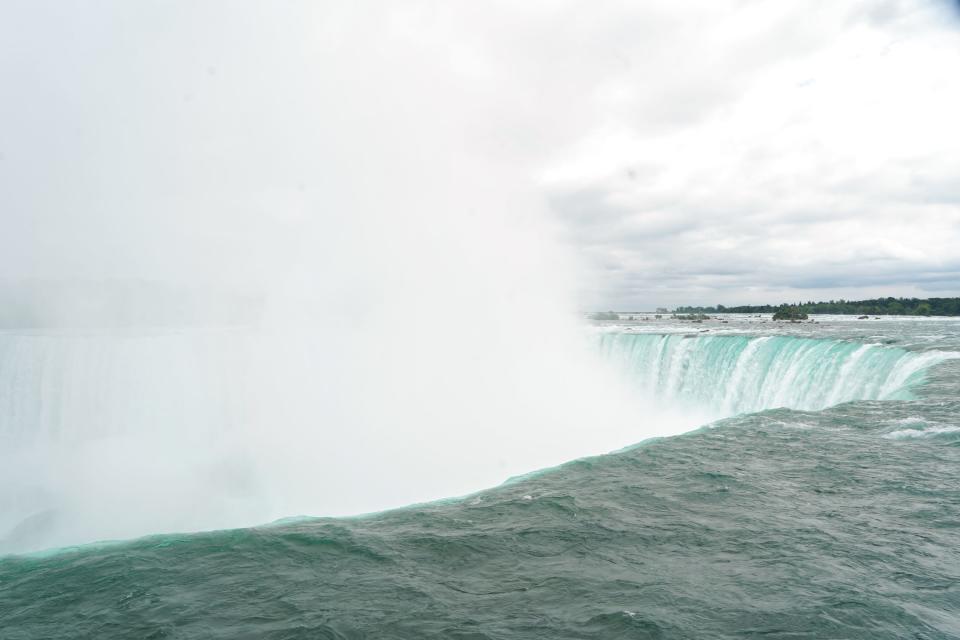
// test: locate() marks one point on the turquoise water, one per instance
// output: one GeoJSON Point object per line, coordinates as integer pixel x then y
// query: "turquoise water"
{"type": "Point", "coordinates": [740, 374]}
{"type": "Point", "coordinates": [837, 517]}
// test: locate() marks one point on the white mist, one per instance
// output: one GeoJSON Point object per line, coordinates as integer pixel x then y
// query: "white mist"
{"type": "Point", "coordinates": [405, 331]}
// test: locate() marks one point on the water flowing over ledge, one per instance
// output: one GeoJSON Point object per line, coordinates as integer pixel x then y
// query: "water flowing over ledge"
{"type": "Point", "coordinates": [729, 375]}
{"type": "Point", "coordinates": [107, 435]}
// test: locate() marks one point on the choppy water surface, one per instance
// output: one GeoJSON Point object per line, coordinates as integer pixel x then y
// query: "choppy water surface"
{"type": "Point", "coordinates": [838, 517]}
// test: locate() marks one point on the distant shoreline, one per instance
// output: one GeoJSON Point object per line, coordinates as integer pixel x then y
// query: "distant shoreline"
{"type": "Point", "coordinates": [943, 307]}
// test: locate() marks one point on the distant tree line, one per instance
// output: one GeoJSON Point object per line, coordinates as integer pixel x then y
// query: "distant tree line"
{"type": "Point", "coordinates": [876, 307]}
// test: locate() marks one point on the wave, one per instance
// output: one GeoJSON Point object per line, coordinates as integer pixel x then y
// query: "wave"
{"type": "Point", "coordinates": [914, 427]}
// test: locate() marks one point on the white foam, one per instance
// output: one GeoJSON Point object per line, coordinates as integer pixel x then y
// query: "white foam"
{"type": "Point", "coordinates": [928, 432]}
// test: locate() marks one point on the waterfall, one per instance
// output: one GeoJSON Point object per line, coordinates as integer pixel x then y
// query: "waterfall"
{"type": "Point", "coordinates": [728, 375]}
{"type": "Point", "coordinates": [107, 434]}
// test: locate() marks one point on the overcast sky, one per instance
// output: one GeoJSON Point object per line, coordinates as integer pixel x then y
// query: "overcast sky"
{"type": "Point", "coordinates": [770, 151]}
{"type": "Point", "coordinates": [680, 152]}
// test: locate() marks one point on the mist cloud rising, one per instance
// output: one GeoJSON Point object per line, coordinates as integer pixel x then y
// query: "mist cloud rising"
{"type": "Point", "coordinates": [361, 174]}
{"type": "Point", "coordinates": [372, 224]}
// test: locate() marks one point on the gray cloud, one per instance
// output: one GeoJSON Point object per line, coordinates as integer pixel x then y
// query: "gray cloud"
{"type": "Point", "coordinates": [823, 167]}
